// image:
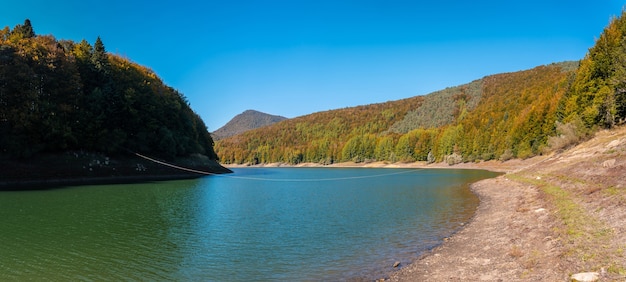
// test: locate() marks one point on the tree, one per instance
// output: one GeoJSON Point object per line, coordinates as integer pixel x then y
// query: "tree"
{"type": "Point", "coordinates": [4, 34]}
{"type": "Point", "coordinates": [22, 31]}
{"type": "Point", "coordinates": [99, 57]}
{"type": "Point", "coordinates": [60, 95]}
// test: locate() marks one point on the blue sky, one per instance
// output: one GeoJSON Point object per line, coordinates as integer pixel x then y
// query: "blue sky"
{"type": "Point", "coordinates": [293, 58]}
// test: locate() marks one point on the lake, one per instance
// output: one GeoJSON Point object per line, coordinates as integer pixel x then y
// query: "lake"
{"type": "Point", "coordinates": [264, 224]}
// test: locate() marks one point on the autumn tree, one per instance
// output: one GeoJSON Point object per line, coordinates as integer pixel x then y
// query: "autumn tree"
{"type": "Point", "coordinates": [60, 95]}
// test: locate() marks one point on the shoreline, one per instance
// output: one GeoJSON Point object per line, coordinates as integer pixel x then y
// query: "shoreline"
{"type": "Point", "coordinates": [493, 245]}
{"type": "Point", "coordinates": [85, 168]}
{"type": "Point", "coordinates": [512, 236]}
{"type": "Point", "coordinates": [52, 183]}
{"type": "Point", "coordinates": [548, 218]}
{"type": "Point", "coordinates": [495, 166]}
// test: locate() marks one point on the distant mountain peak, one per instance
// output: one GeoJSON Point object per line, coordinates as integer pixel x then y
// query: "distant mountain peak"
{"type": "Point", "coordinates": [248, 120]}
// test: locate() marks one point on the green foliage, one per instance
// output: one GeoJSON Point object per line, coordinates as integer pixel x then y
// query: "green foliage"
{"type": "Point", "coordinates": [516, 115]}
{"type": "Point", "coordinates": [598, 93]}
{"type": "Point", "coordinates": [60, 95]}
{"type": "Point", "coordinates": [441, 108]}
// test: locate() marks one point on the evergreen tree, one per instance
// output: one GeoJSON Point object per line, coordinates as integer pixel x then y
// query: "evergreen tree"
{"type": "Point", "coordinates": [22, 31]}
{"type": "Point", "coordinates": [27, 29]}
{"type": "Point", "coordinates": [99, 57]}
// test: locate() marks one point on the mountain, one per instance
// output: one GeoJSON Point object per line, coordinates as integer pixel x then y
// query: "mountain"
{"type": "Point", "coordinates": [245, 121]}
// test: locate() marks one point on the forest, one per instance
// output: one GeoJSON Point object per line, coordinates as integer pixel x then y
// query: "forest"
{"type": "Point", "coordinates": [60, 95]}
{"type": "Point", "coordinates": [499, 117]}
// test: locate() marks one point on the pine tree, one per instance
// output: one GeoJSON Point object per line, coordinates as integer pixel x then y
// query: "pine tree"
{"type": "Point", "coordinates": [28, 29]}
{"type": "Point", "coordinates": [99, 57]}
{"type": "Point", "coordinates": [22, 31]}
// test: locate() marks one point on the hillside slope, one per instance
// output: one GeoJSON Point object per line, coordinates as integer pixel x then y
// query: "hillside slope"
{"type": "Point", "coordinates": [319, 137]}
{"type": "Point", "coordinates": [503, 116]}
{"type": "Point", "coordinates": [499, 116]}
{"type": "Point", "coordinates": [245, 121]}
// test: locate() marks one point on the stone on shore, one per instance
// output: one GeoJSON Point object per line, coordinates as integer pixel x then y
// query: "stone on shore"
{"type": "Point", "coordinates": [396, 264]}
{"type": "Point", "coordinates": [608, 163]}
{"type": "Point", "coordinates": [586, 277]}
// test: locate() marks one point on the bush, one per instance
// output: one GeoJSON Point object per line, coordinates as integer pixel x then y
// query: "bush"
{"type": "Point", "coordinates": [568, 134]}
{"type": "Point", "coordinates": [454, 159]}
{"type": "Point", "coordinates": [507, 155]}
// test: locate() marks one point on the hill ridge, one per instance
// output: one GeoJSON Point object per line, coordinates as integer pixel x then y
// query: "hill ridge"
{"type": "Point", "coordinates": [415, 128]}
{"type": "Point", "coordinates": [247, 120]}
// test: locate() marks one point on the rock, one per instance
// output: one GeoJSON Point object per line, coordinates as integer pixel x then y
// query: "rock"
{"type": "Point", "coordinates": [540, 210]}
{"type": "Point", "coordinates": [608, 163]}
{"type": "Point", "coordinates": [613, 143]}
{"type": "Point", "coordinates": [586, 277]}
{"type": "Point", "coordinates": [396, 264]}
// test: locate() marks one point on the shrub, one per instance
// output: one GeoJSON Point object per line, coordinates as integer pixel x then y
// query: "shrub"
{"type": "Point", "coordinates": [568, 134]}
{"type": "Point", "coordinates": [453, 159]}
{"type": "Point", "coordinates": [507, 155]}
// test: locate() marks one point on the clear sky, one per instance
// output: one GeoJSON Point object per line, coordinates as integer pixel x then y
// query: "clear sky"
{"type": "Point", "coordinates": [294, 57]}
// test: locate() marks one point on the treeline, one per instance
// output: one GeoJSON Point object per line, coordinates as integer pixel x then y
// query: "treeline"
{"type": "Point", "coordinates": [59, 95]}
{"type": "Point", "coordinates": [498, 117]}
{"type": "Point", "coordinates": [324, 137]}
{"type": "Point", "coordinates": [504, 116]}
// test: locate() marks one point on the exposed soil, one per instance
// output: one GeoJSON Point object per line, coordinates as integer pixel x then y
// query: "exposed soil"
{"type": "Point", "coordinates": [548, 218]}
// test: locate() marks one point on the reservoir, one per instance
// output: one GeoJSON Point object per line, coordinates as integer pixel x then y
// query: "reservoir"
{"type": "Point", "coordinates": [257, 224]}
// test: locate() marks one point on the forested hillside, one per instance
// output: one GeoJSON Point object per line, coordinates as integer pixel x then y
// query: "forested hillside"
{"type": "Point", "coordinates": [245, 121]}
{"type": "Point", "coordinates": [326, 137]}
{"type": "Point", "coordinates": [441, 108]}
{"type": "Point", "coordinates": [500, 116]}
{"type": "Point", "coordinates": [60, 95]}
{"type": "Point", "coordinates": [511, 115]}
{"type": "Point", "coordinates": [503, 116]}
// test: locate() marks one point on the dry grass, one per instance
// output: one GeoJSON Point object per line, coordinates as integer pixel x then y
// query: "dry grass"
{"type": "Point", "coordinates": [516, 252]}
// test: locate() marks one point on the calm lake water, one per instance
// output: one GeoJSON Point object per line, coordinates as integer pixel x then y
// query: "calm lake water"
{"type": "Point", "coordinates": [256, 224]}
